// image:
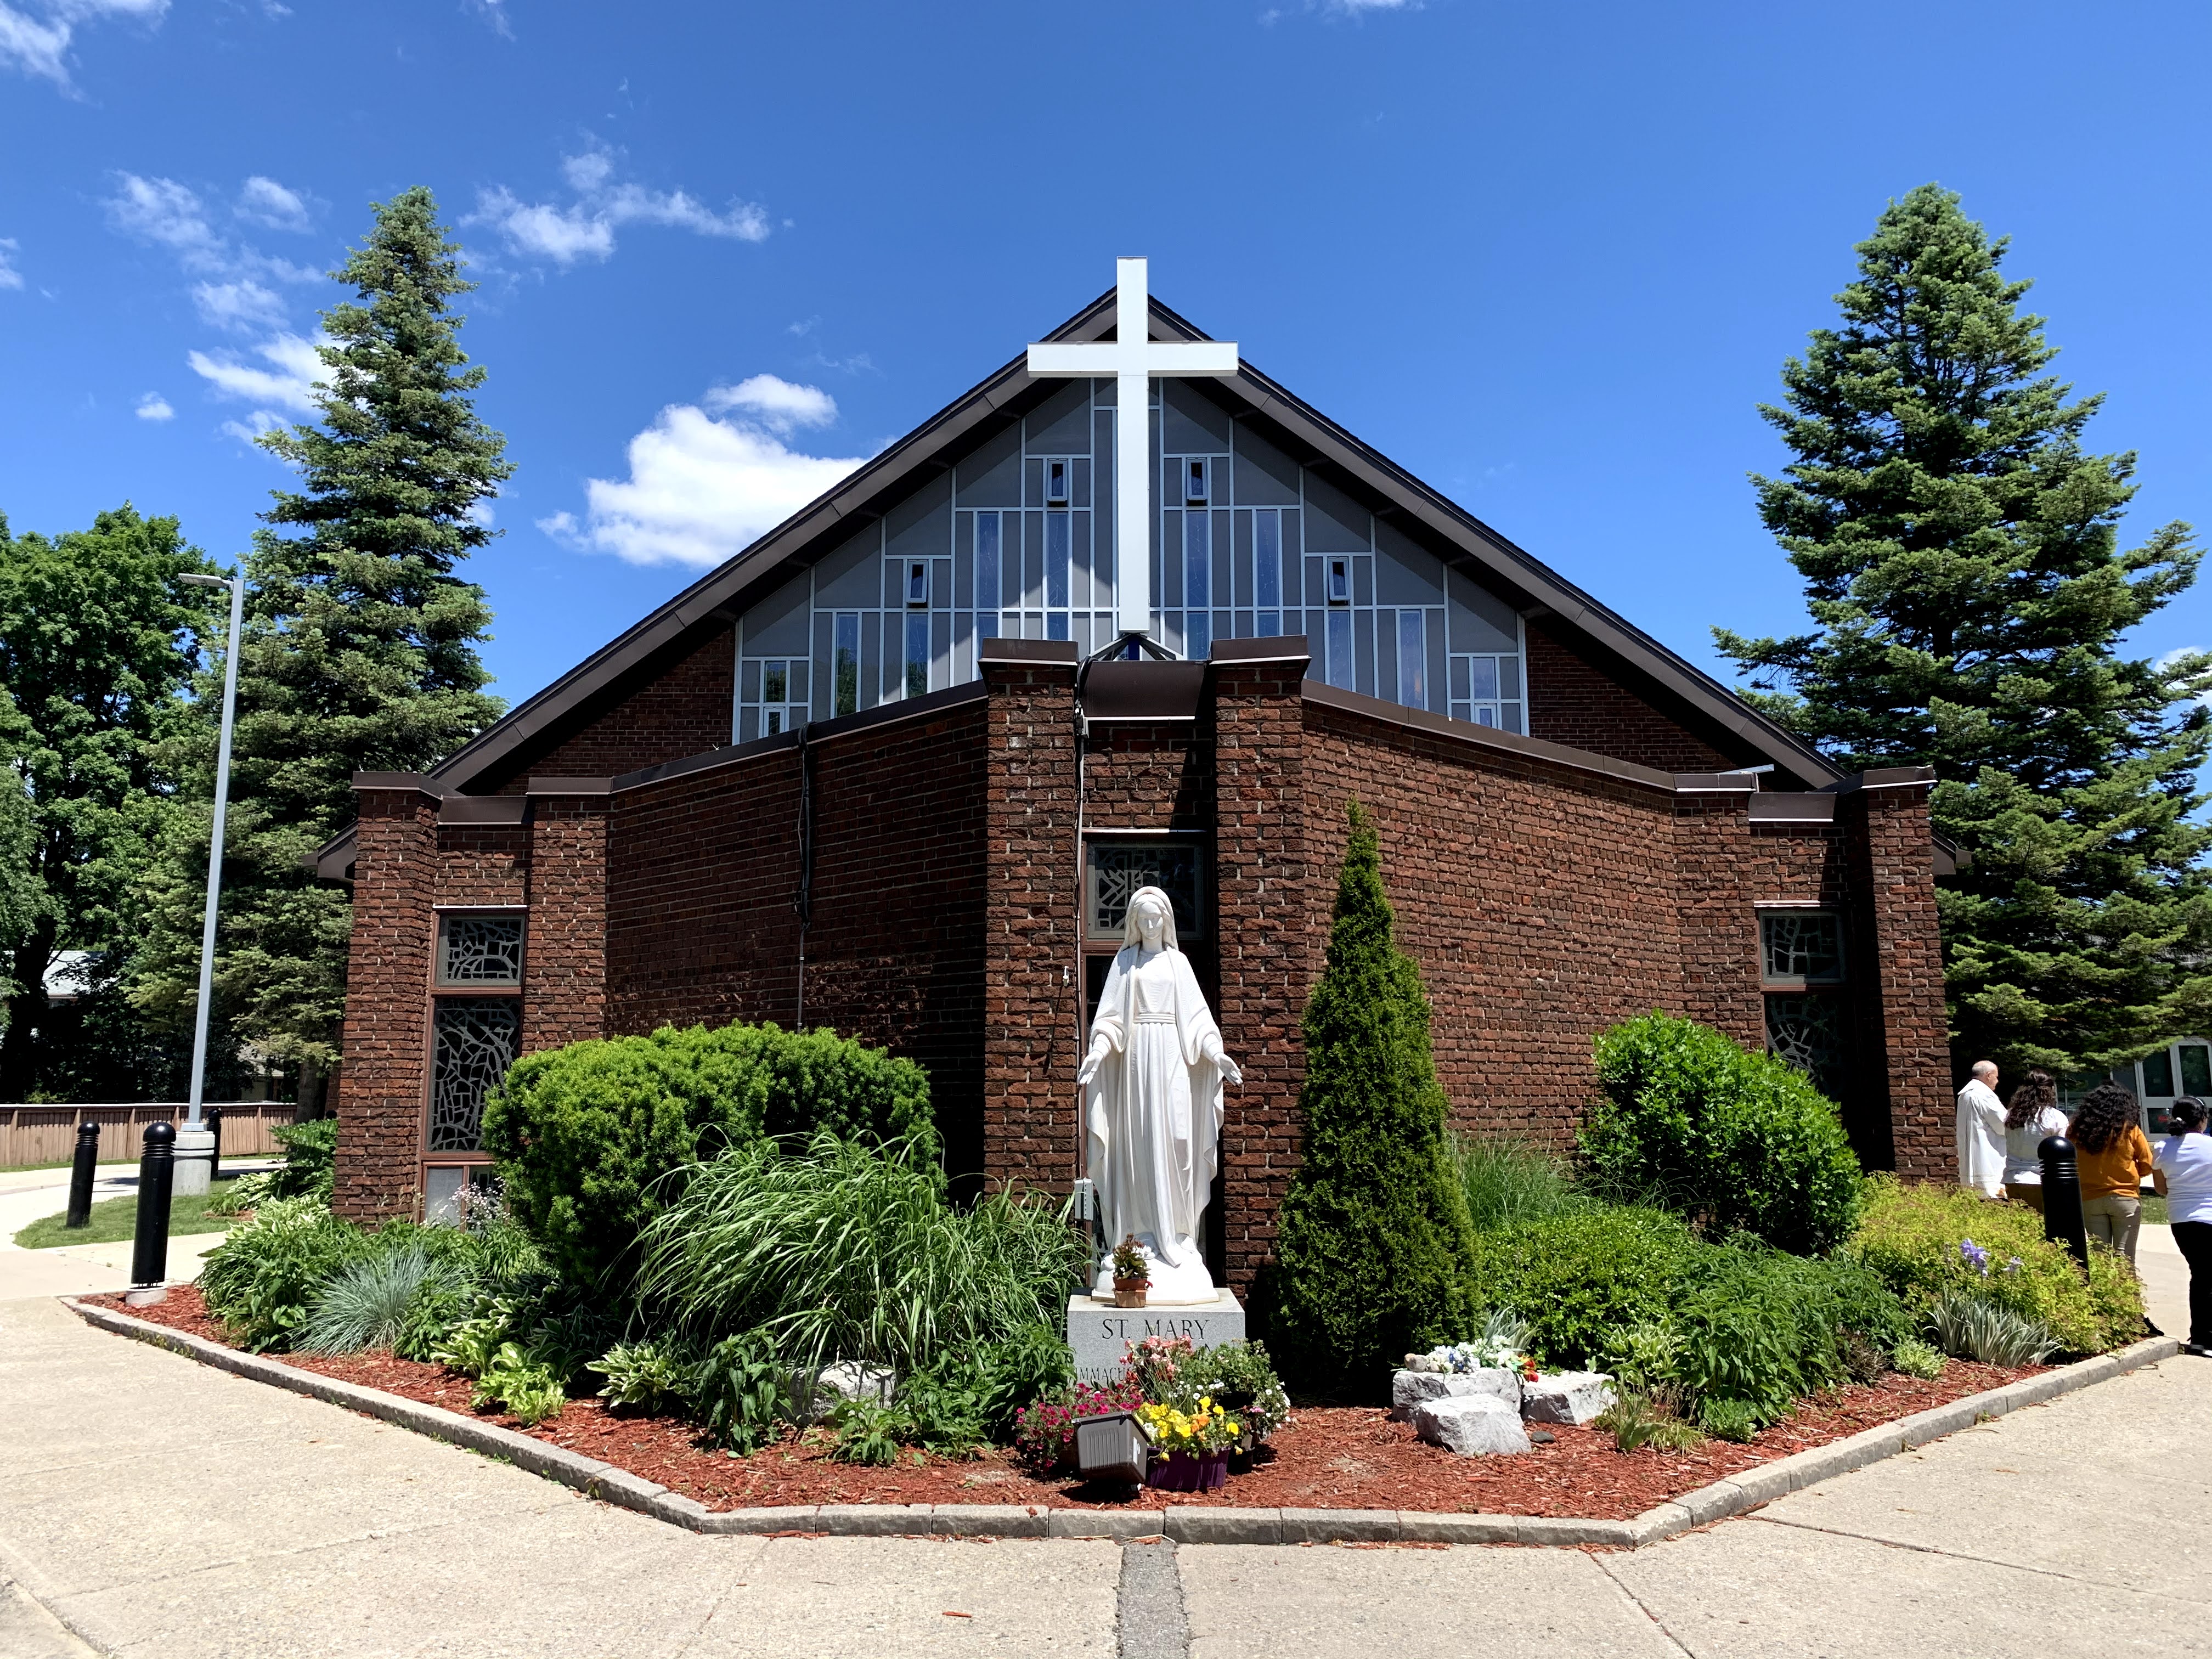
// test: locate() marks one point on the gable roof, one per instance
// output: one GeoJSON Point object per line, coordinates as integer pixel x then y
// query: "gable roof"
{"type": "Point", "coordinates": [713, 602]}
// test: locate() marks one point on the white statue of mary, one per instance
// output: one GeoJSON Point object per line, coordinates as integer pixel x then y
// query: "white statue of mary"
{"type": "Point", "coordinates": [1153, 1115]}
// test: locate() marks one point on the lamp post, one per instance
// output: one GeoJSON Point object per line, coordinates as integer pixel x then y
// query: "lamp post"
{"type": "Point", "coordinates": [195, 1153]}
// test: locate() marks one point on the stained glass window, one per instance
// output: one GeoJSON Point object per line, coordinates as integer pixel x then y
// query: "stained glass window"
{"type": "Point", "coordinates": [476, 1040]}
{"type": "Point", "coordinates": [1117, 871]}
{"type": "Point", "coordinates": [1801, 947]}
{"type": "Point", "coordinates": [480, 950]}
{"type": "Point", "coordinates": [1808, 1031]}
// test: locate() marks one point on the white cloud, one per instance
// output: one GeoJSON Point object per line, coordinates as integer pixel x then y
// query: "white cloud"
{"type": "Point", "coordinates": [10, 276]}
{"type": "Point", "coordinates": [241, 304]}
{"type": "Point", "coordinates": [168, 214]}
{"type": "Point", "coordinates": [585, 228]}
{"type": "Point", "coordinates": [247, 430]}
{"type": "Point", "coordinates": [777, 404]}
{"type": "Point", "coordinates": [289, 384]}
{"type": "Point", "coordinates": [266, 202]}
{"type": "Point", "coordinates": [42, 48]}
{"type": "Point", "coordinates": [700, 490]}
{"type": "Point", "coordinates": [155, 407]}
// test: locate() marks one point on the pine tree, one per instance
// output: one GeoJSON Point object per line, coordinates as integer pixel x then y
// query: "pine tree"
{"type": "Point", "coordinates": [1961, 556]}
{"type": "Point", "coordinates": [96, 644]}
{"type": "Point", "coordinates": [359, 649]}
{"type": "Point", "coordinates": [1373, 1244]}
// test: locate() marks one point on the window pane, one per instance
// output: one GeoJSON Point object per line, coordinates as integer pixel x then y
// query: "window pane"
{"type": "Point", "coordinates": [1509, 716]}
{"type": "Point", "coordinates": [1267, 562]}
{"type": "Point", "coordinates": [1197, 637]}
{"type": "Point", "coordinates": [474, 1042]}
{"type": "Point", "coordinates": [987, 562]}
{"type": "Point", "coordinates": [1341, 669]}
{"type": "Point", "coordinates": [480, 950]}
{"type": "Point", "coordinates": [917, 656]}
{"type": "Point", "coordinates": [1056, 560]}
{"type": "Point", "coordinates": [1509, 677]}
{"type": "Point", "coordinates": [2158, 1073]}
{"type": "Point", "coordinates": [1118, 871]}
{"type": "Point", "coordinates": [773, 683]}
{"type": "Point", "coordinates": [847, 664]}
{"type": "Point", "coordinates": [1482, 674]}
{"type": "Point", "coordinates": [1808, 1031]}
{"type": "Point", "coordinates": [441, 1195]}
{"type": "Point", "coordinates": [1412, 660]}
{"type": "Point", "coordinates": [2196, 1069]}
{"type": "Point", "coordinates": [1801, 947]}
{"type": "Point", "coordinates": [1197, 561]}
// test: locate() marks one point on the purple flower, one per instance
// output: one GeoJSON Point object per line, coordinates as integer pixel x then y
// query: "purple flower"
{"type": "Point", "coordinates": [1975, 1256]}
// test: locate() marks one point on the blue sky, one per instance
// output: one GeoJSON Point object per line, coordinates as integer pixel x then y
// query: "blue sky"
{"type": "Point", "coordinates": [1548, 258]}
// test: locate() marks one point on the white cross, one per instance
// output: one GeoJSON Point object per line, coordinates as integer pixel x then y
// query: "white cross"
{"type": "Point", "coordinates": [1133, 357]}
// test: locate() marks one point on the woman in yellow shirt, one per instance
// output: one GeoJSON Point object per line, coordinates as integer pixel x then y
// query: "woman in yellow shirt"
{"type": "Point", "coordinates": [2115, 1159]}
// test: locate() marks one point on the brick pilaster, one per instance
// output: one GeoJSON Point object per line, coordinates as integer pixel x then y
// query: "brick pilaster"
{"type": "Point", "coordinates": [1265, 901]}
{"type": "Point", "coordinates": [564, 992]}
{"type": "Point", "coordinates": [387, 1039]}
{"type": "Point", "coordinates": [1893, 848]}
{"type": "Point", "coordinates": [1032, 998]}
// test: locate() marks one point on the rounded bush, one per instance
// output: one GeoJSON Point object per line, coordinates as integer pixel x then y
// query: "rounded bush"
{"type": "Point", "coordinates": [592, 1138]}
{"type": "Point", "coordinates": [1581, 1278]}
{"type": "Point", "coordinates": [1735, 1139]}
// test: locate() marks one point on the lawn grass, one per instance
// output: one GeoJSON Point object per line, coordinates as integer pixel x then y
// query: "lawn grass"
{"type": "Point", "coordinates": [116, 1218]}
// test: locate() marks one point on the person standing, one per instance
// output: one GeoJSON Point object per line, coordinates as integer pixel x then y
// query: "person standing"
{"type": "Point", "coordinates": [2032, 1118]}
{"type": "Point", "coordinates": [2183, 1178]}
{"type": "Point", "coordinates": [1982, 1130]}
{"type": "Point", "coordinates": [2114, 1157]}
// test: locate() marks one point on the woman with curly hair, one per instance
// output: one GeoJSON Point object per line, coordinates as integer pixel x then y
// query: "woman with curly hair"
{"type": "Point", "coordinates": [2114, 1158]}
{"type": "Point", "coordinates": [2032, 1117]}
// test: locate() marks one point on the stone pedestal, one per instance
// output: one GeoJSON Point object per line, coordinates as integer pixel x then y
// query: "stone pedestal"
{"type": "Point", "coordinates": [1100, 1333]}
{"type": "Point", "coordinates": [195, 1163]}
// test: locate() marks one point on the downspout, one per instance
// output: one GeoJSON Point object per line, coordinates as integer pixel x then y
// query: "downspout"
{"type": "Point", "coordinates": [803, 901]}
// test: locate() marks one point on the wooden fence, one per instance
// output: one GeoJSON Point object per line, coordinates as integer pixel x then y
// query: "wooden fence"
{"type": "Point", "coordinates": [47, 1135]}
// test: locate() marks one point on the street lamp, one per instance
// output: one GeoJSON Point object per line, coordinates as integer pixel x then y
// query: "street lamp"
{"type": "Point", "coordinates": [196, 1145]}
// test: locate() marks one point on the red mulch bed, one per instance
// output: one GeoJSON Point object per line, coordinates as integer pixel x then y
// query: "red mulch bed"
{"type": "Point", "coordinates": [1335, 1457]}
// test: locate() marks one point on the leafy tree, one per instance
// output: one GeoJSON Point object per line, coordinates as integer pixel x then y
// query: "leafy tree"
{"type": "Point", "coordinates": [1960, 558]}
{"type": "Point", "coordinates": [22, 895]}
{"type": "Point", "coordinates": [1373, 1245]}
{"type": "Point", "coordinates": [97, 639]}
{"type": "Point", "coordinates": [359, 649]}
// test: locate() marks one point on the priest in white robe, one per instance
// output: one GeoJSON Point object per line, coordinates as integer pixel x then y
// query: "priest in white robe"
{"type": "Point", "coordinates": [1982, 1132]}
{"type": "Point", "coordinates": [1152, 1112]}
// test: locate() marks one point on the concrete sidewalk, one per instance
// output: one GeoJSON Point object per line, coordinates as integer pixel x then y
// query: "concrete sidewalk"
{"type": "Point", "coordinates": [152, 1507]}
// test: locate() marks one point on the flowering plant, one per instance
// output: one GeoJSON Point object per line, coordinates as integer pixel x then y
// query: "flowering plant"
{"type": "Point", "coordinates": [1044, 1434]}
{"type": "Point", "coordinates": [1129, 1264]}
{"type": "Point", "coordinates": [1152, 1365]}
{"type": "Point", "coordinates": [1205, 1428]}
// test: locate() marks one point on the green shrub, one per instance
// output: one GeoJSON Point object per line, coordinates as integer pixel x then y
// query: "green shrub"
{"type": "Point", "coordinates": [365, 1304]}
{"type": "Point", "coordinates": [593, 1138]}
{"type": "Point", "coordinates": [1976, 1327]}
{"type": "Point", "coordinates": [310, 1155]}
{"type": "Point", "coordinates": [1915, 1357]}
{"type": "Point", "coordinates": [742, 1391]}
{"type": "Point", "coordinates": [1730, 1420]}
{"type": "Point", "coordinates": [844, 1251]}
{"type": "Point", "coordinates": [1506, 1181]}
{"type": "Point", "coordinates": [1584, 1279]}
{"type": "Point", "coordinates": [514, 1378]}
{"type": "Point", "coordinates": [264, 1278]}
{"type": "Point", "coordinates": [1915, 1238]}
{"type": "Point", "coordinates": [1372, 1239]}
{"type": "Point", "coordinates": [1638, 1418]}
{"type": "Point", "coordinates": [652, 1376]}
{"type": "Point", "coordinates": [1735, 1139]}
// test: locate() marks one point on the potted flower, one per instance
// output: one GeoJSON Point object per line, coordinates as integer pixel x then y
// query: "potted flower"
{"type": "Point", "coordinates": [1193, 1446]}
{"type": "Point", "coordinates": [1132, 1276]}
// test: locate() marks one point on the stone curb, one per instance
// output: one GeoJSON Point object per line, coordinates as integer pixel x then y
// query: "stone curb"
{"type": "Point", "coordinates": [1186, 1523]}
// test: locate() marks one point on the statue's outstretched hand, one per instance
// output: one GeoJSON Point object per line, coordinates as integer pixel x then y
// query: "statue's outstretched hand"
{"type": "Point", "coordinates": [1223, 1064]}
{"type": "Point", "coordinates": [1092, 1060]}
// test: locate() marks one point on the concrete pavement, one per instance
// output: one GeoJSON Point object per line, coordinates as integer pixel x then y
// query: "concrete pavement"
{"type": "Point", "coordinates": [152, 1507]}
{"type": "Point", "coordinates": [29, 1195]}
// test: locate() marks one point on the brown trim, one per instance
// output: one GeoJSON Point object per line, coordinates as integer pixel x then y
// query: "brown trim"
{"type": "Point", "coordinates": [484, 809]}
{"type": "Point", "coordinates": [1280, 647]}
{"type": "Point", "coordinates": [570, 787]}
{"type": "Point", "coordinates": [1785, 808]}
{"type": "Point", "coordinates": [423, 781]}
{"type": "Point", "coordinates": [1715, 783]}
{"type": "Point", "coordinates": [1143, 690]}
{"type": "Point", "coordinates": [1026, 651]}
{"type": "Point", "coordinates": [1484, 737]}
{"type": "Point", "coordinates": [1885, 777]}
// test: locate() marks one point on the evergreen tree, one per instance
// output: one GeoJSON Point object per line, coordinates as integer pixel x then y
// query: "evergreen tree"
{"type": "Point", "coordinates": [96, 644]}
{"type": "Point", "coordinates": [359, 649]}
{"type": "Point", "coordinates": [1373, 1244]}
{"type": "Point", "coordinates": [1959, 554]}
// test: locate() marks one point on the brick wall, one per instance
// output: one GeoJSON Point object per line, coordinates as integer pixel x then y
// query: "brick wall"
{"type": "Point", "coordinates": [1890, 827]}
{"type": "Point", "coordinates": [484, 864]}
{"type": "Point", "coordinates": [1032, 998]}
{"type": "Point", "coordinates": [387, 1034]}
{"type": "Point", "coordinates": [1574, 702]}
{"type": "Point", "coordinates": [685, 710]}
{"type": "Point", "coordinates": [565, 954]}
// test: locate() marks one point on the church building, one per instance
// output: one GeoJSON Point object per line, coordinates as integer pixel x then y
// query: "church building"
{"type": "Point", "coordinates": [896, 767]}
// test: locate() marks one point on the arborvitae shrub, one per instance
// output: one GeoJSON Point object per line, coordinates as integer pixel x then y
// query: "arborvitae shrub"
{"type": "Point", "coordinates": [1373, 1244]}
{"type": "Point", "coordinates": [1731, 1139]}
{"type": "Point", "coordinates": [590, 1137]}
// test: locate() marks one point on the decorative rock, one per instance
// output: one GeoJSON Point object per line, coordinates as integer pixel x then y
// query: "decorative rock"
{"type": "Point", "coordinates": [1472, 1425]}
{"type": "Point", "coordinates": [849, 1379]}
{"type": "Point", "coordinates": [1566, 1396]}
{"type": "Point", "coordinates": [1409, 1388]}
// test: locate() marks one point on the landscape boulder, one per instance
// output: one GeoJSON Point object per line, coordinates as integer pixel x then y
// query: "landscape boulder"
{"type": "Point", "coordinates": [1566, 1396]}
{"type": "Point", "coordinates": [1408, 1388]}
{"type": "Point", "coordinates": [1472, 1425]}
{"type": "Point", "coordinates": [849, 1379]}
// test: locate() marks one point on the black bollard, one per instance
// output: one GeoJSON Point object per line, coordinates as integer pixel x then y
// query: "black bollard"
{"type": "Point", "coordinates": [81, 1176]}
{"type": "Point", "coordinates": [2061, 1197]}
{"type": "Point", "coordinates": [157, 1169]}
{"type": "Point", "coordinates": [214, 1152]}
